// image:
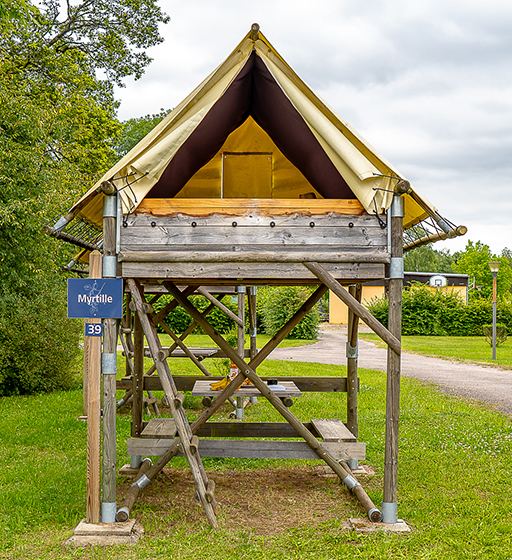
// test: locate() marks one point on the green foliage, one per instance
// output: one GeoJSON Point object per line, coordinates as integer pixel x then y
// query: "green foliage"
{"type": "Point", "coordinates": [134, 130]}
{"type": "Point", "coordinates": [435, 312]}
{"type": "Point", "coordinates": [277, 305]}
{"type": "Point", "coordinates": [58, 126]}
{"type": "Point", "coordinates": [38, 344]}
{"type": "Point", "coordinates": [501, 333]}
{"type": "Point", "coordinates": [474, 261]}
{"type": "Point", "coordinates": [427, 259]}
{"type": "Point", "coordinates": [179, 320]}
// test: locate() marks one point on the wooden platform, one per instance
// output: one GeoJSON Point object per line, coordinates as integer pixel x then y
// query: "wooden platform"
{"type": "Point", "coordinates": [159, 433]}
{"type": "Point", "coordinates": [187, 382]}
{"type": "Point", "coordinates": [202, 388]}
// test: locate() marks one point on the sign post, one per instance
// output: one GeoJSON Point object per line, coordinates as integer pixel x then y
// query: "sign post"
{"type": "Point", "coordinates": [93, 299]}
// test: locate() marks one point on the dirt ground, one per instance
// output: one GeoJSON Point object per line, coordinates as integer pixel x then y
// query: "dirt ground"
{"type": "Point", "coordinates": [266, 502]}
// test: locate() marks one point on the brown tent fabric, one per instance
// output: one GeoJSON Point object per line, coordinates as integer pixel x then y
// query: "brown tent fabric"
{"type": "Point", "coordinates": [254, 92]}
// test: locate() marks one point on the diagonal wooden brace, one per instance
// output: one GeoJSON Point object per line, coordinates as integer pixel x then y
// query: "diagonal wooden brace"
{"type": "Point", "coordinates": [274, 400]}
{"type": "Point", "coordinates": [178, 414]}
{"type": "Point", "coordinates": [212, 299]}
{"type": "Point", "coordinates": [377, 327]}
{"type": "Point", "coordinates": [157, 317]}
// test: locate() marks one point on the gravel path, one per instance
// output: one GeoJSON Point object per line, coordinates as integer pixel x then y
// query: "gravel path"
{"type": "Point", "coordinates": [491, 385]}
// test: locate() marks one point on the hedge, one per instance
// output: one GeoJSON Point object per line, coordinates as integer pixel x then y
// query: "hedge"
{"type": "Point", "coordinates": [277, 305]}
{"type": "Point", "coordinates": [435, 312]}
{"type": "Point", "coordinates": [39, 345]}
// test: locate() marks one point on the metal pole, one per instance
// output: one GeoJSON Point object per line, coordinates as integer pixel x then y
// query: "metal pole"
{"type": "Point", "coordinates": [109, 366]}
{"type": "Point", "coordinates": [241, 344]}
{"type": "Point", "coordinates": [494, 282]}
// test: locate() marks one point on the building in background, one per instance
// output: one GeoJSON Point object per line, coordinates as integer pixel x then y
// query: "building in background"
{"type": "Point", "coordinates": [458, 283]}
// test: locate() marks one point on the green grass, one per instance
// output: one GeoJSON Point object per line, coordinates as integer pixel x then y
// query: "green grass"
{"type": "Point", "coordinates": [473, 349]}
{"type": "Point", "coordinates": [204, 341]}
{"type": "Point", "coordinates": [455, 471]}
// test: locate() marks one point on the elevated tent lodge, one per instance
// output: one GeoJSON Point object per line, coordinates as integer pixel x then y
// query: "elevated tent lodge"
{"type": "Point", "coordinates": [252, 180]}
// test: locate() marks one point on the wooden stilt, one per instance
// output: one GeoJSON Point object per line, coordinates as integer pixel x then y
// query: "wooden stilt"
{"type": "Point", "coordinates": [109, 366]}
{"type": "Point", "coordinates": [138, 376]}
{"type": "Point", "coordinates": [253, 329]}
{"type": "Point", "coordinates": [240, 343]}
{"type": "Point", "coordinates": [251, 300]}
{"type": "Point", "coordinates": [389, 505]}
{"type": "Point", "coordinates": [94, 412]}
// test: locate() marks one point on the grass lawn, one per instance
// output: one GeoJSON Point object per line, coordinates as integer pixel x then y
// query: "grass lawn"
{"type": "Point", "coordinates": [204, 341]}
{"type": "Point", "coordinates": [455, 472]}
{"type": "Point", "coordinates": [473, 349]}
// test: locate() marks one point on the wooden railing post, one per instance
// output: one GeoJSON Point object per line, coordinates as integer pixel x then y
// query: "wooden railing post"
{"type": "Point", "coordinates": [352, 355]}
{"type": "Point", "coordinates": [93, 379]}
{"type": "Point", "coordinates": [396, 275]}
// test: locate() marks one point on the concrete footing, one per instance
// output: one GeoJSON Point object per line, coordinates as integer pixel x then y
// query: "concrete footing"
{"type": "Point", "coordinates": [105, 534]}
{"type": "Point", "coordinates": [364, 525]}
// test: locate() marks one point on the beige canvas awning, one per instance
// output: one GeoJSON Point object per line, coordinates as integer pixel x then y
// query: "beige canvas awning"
{"type": "Point", "coordinates": [367, 174]}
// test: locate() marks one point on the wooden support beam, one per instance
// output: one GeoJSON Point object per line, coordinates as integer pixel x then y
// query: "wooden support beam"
{"type": "Point", "coordinates": [164, 353]}
{"type": "Point", "coordinates": [352, 380]}
{"type": "Point", "coordinates": [378, 328]}
{"type": "Point", "coordinates": [171, 305]}
{"type": "Point", "coordinates": [254, 449]}
{"type": "Point", "coordinates": [94, 412]}
{"type": "Point", "coordinates": [220, 305]}
{"type": "Point", "coordinates": [274, 256]}
{"type": "Point", "coordinates": [304, 384]}
{"type": "Point", "coordinates": [393, 366]}
{"type": "Point", "coordinates": [137, 380]}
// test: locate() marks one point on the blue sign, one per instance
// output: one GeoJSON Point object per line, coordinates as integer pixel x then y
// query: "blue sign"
{"type": "Point", "coordinates": [95, 298]}
{"type": "Point", "coordinates": [93, 329]}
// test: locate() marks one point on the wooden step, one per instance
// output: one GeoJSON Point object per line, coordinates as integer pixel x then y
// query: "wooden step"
{"type": "Point", "coordinates": [333, 430]}
{"type": "Point", "coordinates": [159, 428]}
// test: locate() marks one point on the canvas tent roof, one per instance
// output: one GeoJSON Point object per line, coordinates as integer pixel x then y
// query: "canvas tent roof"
{"type": "Point", "coordinates": [254, 81]}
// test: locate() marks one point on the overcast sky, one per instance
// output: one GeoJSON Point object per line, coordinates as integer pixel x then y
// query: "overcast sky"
{"type": "Point", "coordinates": [428, 83]}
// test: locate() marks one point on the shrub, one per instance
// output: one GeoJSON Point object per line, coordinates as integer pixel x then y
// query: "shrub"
{"type": "Point", "coordinates": [179, 320]}
{"type": "Point", "coordinates": [278, 305]}
{"type": "Point", "coordinates": [501, 333]}
{"type": "Point", "coordinates": [434, 312]}
{"type": "Point", "coordinates": [38, 344]}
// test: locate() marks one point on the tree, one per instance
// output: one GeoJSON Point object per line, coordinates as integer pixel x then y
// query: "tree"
{"type": "Point", "coordinates": [58, 128]}
{"type": "Point", "coordinates": [134, 130]}
{"type": "Point", "coordinates": [474, 261]}
{"type": "Point", "coordinates": [427, 259]}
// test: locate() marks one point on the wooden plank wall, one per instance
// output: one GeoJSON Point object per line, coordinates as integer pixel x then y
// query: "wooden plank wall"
{"type": "Point", "coordinates": [256, 247]}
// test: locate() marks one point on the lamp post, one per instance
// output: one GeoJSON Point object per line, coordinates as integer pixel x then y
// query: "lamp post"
{"type": "Point", "coordinates": [494, 266]}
